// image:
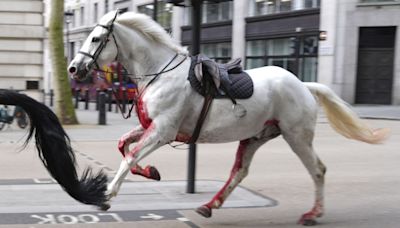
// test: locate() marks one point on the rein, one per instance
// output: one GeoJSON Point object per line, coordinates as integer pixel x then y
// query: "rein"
{"type": "Point", "coordinates": [103, 43]}
{"type": "Point", "coordinates": [156, 75]}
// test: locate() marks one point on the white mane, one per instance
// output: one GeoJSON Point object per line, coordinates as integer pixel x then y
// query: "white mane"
{"type": "Point", "coordinates": [150, 29]}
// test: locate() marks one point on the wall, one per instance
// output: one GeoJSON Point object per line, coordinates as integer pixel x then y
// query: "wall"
{"type": "Point", "coordinates": [339, 53]}
{"type": "Point", "coordinates": [21, 44]}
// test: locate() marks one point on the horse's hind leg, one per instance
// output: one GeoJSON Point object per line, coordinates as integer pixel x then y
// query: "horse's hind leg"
{"type": "Point", "coordinates": [301, 144]}
{"type": "Point", "coordinates": [240, 169]}
{"type": "Point", "coordinates": [123, 146]}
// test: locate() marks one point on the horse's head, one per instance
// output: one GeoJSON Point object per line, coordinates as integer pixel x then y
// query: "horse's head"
{"type": "Point", "coordinates": [97, 49]}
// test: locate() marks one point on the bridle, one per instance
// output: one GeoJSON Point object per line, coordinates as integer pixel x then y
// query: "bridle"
{"type": "Point", "coordinates": [103, 43]}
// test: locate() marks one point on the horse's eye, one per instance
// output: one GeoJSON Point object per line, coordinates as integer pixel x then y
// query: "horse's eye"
{"type": "Point", "coordinates": [95, 39]}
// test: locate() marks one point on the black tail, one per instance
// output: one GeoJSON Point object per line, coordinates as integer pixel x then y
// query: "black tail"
{"type": "Point", "coordinates": [54, 149]}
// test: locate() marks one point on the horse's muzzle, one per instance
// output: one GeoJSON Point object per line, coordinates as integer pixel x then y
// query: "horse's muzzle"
{"type": "Point", "coordinates": [78, 73]}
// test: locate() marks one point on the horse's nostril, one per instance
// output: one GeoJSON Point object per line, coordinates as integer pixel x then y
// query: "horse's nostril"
{"type": "Point", "coordinates": [72, 70]}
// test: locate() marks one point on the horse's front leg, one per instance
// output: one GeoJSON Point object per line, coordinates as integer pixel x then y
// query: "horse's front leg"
{"type": "Point", "coordinates": [123, 146]}
{"type": "Point", "coordinates": [152, 138]}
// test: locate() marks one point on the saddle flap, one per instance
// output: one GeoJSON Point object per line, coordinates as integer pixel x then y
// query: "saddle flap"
{"type": "Point", "coordinates": [210, 67]}
{"type": "Point", "coordinates": [233, 66]}
{"type": "Point", "coordinates": [229, 79]}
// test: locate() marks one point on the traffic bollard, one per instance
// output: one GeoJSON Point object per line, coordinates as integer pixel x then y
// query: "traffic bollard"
{"type": "Point", "coordinates": [102, 108]}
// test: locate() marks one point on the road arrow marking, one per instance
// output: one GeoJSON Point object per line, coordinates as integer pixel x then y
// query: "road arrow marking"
{"type": "Point", "coordinates": [183, 219]}
{"type": "Point", "coordinates": [152, 216]}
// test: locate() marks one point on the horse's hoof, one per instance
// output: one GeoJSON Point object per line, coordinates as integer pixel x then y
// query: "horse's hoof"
{"type": "Point", "coordinates": [105, 207]}
{"type": "Point", "coordinates": [154, 174]}
{"type": "Point", "coordinates": [308, 222]}
{"type": "Point", "coordinates": [204, 211]}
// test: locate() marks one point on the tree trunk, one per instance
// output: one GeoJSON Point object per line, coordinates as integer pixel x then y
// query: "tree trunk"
{"type": "Point", "coordinates": [64, 107]}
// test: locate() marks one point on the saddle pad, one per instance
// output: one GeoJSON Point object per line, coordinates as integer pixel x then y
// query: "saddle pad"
{"type": "Point", "coordinates": [240, 88]}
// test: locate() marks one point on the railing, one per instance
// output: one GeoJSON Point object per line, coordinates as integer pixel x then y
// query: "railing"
{"type": "Point", "coordinates": [102, 101]}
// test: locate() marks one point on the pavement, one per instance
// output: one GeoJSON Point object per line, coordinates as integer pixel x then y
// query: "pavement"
{"type": "Point", "coordinates": [361, 188]}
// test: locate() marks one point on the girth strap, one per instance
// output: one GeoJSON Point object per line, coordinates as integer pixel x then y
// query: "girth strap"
{"type": "Point", "coordinates": [209, 93]}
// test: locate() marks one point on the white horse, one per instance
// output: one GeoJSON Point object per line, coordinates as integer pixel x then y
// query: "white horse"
{"type": "Point", "coordinates": [168, 107]}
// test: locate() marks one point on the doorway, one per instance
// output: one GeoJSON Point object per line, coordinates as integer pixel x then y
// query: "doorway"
{"type": "Point", "coordinates": [375, 65]}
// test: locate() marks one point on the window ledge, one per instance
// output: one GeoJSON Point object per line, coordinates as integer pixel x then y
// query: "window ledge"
{"type": "Point", "coordinates": [377, 4]}
{"type": "Point", "coordinates": [293, 13]}
{"type": "Point", "coordinates": [210, 24]}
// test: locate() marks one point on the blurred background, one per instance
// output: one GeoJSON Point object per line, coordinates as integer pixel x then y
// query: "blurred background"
{"type": "Point", "coordinates": [349, 45]}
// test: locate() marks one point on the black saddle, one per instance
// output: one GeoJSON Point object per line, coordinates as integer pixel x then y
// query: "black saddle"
{"type": "Point", "coordinates": [229, 80]}
{"type": "Point", "coordinates": [214, 80]}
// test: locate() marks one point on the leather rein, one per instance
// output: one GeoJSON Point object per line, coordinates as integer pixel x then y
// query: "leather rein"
{"type": "Point", "coordinates": [103, 43]}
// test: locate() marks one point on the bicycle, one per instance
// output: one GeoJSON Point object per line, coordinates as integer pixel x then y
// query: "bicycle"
{"type": "Point", "coordinates": [18, 114]}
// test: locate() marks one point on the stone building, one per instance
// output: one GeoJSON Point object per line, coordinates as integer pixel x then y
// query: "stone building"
{"type": "Point", "coordinates": [360, 58]}
{"type": "Point", "coordinates": [263, 32]}
{"type": "Point", "coordinates": [21, 46]}
{"type": "Point", "coordinates": [335, 42]}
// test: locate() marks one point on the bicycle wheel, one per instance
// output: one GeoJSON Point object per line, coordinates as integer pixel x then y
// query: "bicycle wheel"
{"type": "Point", "coordinates": [22, 120]}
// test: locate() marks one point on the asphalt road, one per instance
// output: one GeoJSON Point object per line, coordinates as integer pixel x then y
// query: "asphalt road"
{"type": "Point", "coordinates": [362, 183]}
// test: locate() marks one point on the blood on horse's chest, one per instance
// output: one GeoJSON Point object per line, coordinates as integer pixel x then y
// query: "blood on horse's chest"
{"type": "Point", "coordinates": [142, 113]}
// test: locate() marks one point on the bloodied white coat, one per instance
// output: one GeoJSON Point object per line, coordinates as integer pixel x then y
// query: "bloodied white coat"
{"type": "Point", "coordinates": [168, 108]}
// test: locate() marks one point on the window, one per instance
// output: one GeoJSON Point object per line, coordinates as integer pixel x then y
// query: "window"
{"type": "Point", "coordinates": [82, 19]}
{"type": "Point", "coordinates": [312, 4]}
{"type": "Point", "coordinates": [164, 12]}
{"type": "Point", "coordinates": [284, 5]}
{"type": "Point", "coordinates": [106, 6]}
{"type": "Point", "coordinates": [212, 12]}
{"type": "Point", "coordinates": [378, 1]}
{"type": "Point", "coordinates": [72, 18]}
{"type": "Point", "coordinates": [309, 46]}
{"type": "Point", "coordinates": [296, 54]}
{"type": "Point", "coordinates": [220, 52]}
{"type": "Point", "coordinates": [215, 12]}
{"type": "Point", "coordinates": [263, 7]}
{"type": "Point", "coordinates": [31, 85]}
{"type": "Point", "coordinates": [277, 47]}
{"type": "Point", "coordinates": [95, 12]}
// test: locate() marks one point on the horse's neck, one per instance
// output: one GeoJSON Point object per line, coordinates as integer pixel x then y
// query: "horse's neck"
{"type": "Point", "coordinates": [141, 56]}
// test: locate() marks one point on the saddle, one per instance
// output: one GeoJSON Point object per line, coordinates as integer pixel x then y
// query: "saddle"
{"type": "Point", "coordinates": [229, 79]}
{"type": "Point", "coordinates": [214, 80]}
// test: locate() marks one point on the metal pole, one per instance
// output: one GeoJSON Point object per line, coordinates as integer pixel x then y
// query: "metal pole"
{"type": "Point", "coordinates": [68, 16]}
{"type": "Point", "coordinates": [51, 97]}
{"type": "Point", "coordinates": [124, 99]}
{"type": "Point", "coordinates": [196, 23]}
{"type": "Point", "coordinates": [109, 95]}
{"type": "Point", "coordinates": [67, 40]}
{"type": "Point", "coordinates": [102, 108]}
{"type": "Point", "coordinates": [155, 8]}
{"type": "Point", "coordinates": [97, 98]}
{"type": "Point", "coordinates": [76, 98]}
{"type": "Point", "coordinates": [86, 98]}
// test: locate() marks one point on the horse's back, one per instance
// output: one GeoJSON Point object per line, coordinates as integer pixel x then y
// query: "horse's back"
{"type": "Point", "coordinates": [293, 102]}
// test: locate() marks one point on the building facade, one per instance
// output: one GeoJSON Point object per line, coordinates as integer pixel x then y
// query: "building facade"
{"type": "Point", "coordinates": [360, 58]}
{"type": "Point", "coordinates": [21, 46]}
{"type": "Point", "coordinates": [329, 41]}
